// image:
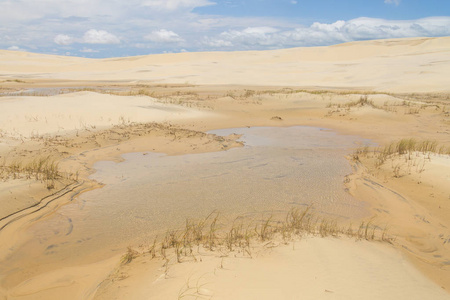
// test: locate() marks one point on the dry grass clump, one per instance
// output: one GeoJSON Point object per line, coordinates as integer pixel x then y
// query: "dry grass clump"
{"type": "Point", "coordinates": [404, 147]}
{"type": "Point", "coordinates": [43, 169]}
{"type": "Point", "coordinates": [196, 291]}
{"type": "Point", "coordinates": [406, 155]}
{"type": "Point", "coordinates": [129, 255]}
{"type": "Point", "coordinates": [242, 236]}
{"type": "Point", "coordinates": [407, 147]}
{"type": "Point", "coordinates": [345, 108]}
{"type": "Point", "coordinates": [408, 106]}
{"type": "Point", "coordinates": [363, 101]}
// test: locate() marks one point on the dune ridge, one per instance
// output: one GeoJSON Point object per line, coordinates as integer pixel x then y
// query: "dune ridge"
{"type": "Point", "coordinates": [394, 65]}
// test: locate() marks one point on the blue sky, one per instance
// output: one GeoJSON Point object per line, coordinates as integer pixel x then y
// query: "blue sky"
{"type": "Point", "coordinates": [330, 10]}
{"type": "Point", "coordinates": [110, 28]}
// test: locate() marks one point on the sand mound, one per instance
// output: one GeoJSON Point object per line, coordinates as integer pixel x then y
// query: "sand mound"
{"type": "Point", "coordinates": [314, 268]}
{"type": "Point", "coordinates": [35, 116]}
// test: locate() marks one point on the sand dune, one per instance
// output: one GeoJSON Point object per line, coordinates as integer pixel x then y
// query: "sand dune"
{"type": "Point", "coordinates": [405, 65]}
{"type": "Point", "coordinates": [68, 113]}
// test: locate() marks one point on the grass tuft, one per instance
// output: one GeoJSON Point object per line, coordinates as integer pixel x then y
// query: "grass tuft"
{"type": "Point", "coordinates": [43, 169]}
{"type": "Point", "coordinates": [205, 235]}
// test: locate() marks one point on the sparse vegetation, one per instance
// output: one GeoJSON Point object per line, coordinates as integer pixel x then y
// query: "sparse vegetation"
{"type": "Point", "coordinates": [363, 101]}
{"type": "Point", "coordinates": [191, 242]}
{"type": "Point", "coordinates": [408, 147]}
{"type": "Point", "coordinates": [406, 155]}
{"type": "Point", "coordinates": [43, 169]}
{"type": "Point", "coordinates": [345, 108]}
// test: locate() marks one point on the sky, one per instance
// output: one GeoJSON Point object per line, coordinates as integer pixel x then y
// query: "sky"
{"type": "Point", "coordinates": [118, 28]}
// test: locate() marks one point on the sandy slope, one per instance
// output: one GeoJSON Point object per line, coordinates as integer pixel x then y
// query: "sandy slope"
{"type": "Point", "coordinates": [312, 268]}
{"type": "Point", "coordinates": [68, 113]}
{"type": "Point", "coordinates": [406, 65]}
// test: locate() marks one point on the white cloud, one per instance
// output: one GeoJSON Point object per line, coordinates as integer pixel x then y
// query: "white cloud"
{"type": "Point", "coordinates": [63, 40]}
{"type": "Point", "coordinates": [293, 2]}
{"type": "Point", "coordinates": [15, 48]}
{"type": "Point", "coordinates": [94, 36]}
{"type": "Point", "coordinates": [216, 43]}
{"type": "Point", "coordinates": [91, 36]}
{"type": "Point", "coordinates": [163, 36]}
{"type": "Point", "coordinates": [88, 50]}
{"type": "Point", "coordinates": [172, 5]}
{"type": "Point", "coordinates": [259, 31]}
{"type": "Point", "coordinates": [396, 2]}
{"type": "Point", "coordinates": [249, 36]}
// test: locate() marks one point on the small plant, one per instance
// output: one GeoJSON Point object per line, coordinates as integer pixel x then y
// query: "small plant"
{"type": "Point", "coordinates": [385, 236]}
{"type": "Point", "coordinates": [129, 255]}
{"type": "Point", "coordinates": [360, 233]}
{"type": "Point", "coordinates": [152, 250]}
{"type": "Point", "coordinates": [264, 232]}
{"type": "Point", "coordinates": [212, 232]}
{"type": "Point", "coordinates": [196, 292]}
{"type": "Point", "coordinates": [42, 169]}
{"type": "Point", "coordinates": [363, 101]}
{"type": "Point", "coordinates": [230, 94]}
{"type": "Point", "coordinates": [248, 93]}
{"type": "Point", "coordinates": [397, 169]}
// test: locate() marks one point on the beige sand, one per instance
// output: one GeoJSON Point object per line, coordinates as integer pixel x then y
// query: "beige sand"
{"type": "Point", "coordinates": [68, 113]}
{"type": "Point", "coordinates": [312, 269]}
{"type": "Point", "coordinates": [236, 90]}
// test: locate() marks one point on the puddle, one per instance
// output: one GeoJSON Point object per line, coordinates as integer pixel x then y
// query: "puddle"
{"type": "Point", "coordinates": [53, 91]}
{"type": "Point", "coordinates": [277, 169]}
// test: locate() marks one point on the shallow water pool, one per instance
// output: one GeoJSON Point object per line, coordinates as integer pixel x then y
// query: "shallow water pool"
{"type": "Point", "coordinates": [148, 193]}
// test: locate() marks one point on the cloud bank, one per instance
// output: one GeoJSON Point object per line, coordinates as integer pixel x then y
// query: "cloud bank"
{"type": "Point", "coordinates": [91, 36]}
{"type": "Point", "coordinates": [320, 34]}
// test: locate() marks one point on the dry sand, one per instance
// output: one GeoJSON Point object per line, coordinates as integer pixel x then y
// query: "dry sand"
{"type": "Point", "coordinates": [68, 113]}
{"type": "Point", "coordinates": [312, 269]}
{"type": "Point", "coordinates": [195, 92]}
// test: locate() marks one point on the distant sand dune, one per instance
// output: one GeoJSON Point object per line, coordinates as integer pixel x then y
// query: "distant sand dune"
{"type": "Point", "coordinates": [398, 65]}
